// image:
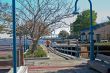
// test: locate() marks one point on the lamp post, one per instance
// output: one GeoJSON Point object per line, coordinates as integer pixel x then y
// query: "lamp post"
{"type": "Point", "coordinates": [14, 37]}
{"type": "Point", "coordinates": [91, 30]}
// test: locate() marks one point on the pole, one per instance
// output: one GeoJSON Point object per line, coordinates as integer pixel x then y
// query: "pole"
{"type": "Point", "coordinates": [14, 38]}
{"type": "Point", "coordinates": [76, 6]}
{"type": "Point", "coordinates": [91, 34]}
{"type": "Point", "coordinates": [91, 30]}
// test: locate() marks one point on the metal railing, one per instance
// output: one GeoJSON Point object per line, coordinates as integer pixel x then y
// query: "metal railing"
{"type": "Point", "coordinates": [61, 54]}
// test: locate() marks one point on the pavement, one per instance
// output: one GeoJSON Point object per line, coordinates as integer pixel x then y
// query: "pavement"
{"type": "Point", "coordinates": [57, 64]}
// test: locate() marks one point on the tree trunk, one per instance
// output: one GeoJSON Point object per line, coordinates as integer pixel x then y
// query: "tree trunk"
{"type": "Point", "coordinates": [21, 51]}
{"type": "Point", "coordinates": [34, 45]}
{"type": "Point", "coordinates": [20, 42]}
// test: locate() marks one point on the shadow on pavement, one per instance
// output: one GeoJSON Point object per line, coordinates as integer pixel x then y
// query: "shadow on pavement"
{"type": "Point", "coordinates": [76, 69]}
{"type": "Point", "coordinates": [4, 70]}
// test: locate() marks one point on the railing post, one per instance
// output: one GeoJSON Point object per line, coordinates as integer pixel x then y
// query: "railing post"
{"type": "Point", "coordinates": [71, 51]}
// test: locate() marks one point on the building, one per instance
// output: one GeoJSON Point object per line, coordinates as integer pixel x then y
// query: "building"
{"type": "Point", "coordinates": [5, 33]}
{"type": "Point", "coordinates": [101, 32]}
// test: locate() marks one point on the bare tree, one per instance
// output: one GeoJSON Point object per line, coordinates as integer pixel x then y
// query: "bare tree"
{"type": "Point", "coordinates": [5, 15]}
{"type": "Point", "coordinates": [41, 15]}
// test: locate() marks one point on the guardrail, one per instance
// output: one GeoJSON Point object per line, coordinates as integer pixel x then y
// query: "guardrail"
{"type": "Point", "coordinates": [61, 54]}
{"type": "Point", "coordinates": [71, 50]}
{"type": "Point", "coordinates": [82, 50]}
{"type": "Point", "coordinates": [64, 44]}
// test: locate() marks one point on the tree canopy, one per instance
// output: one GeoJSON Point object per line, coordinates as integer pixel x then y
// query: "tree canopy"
{"type": "Point", "coordinates": [5, 12]}
{"type": "Point", "coordinates": [39, 16]}
{"type": "Point", "coordinates": [82, 21]}
{"type": "Point", "coordinates": [2, 28]}
{"type": "Point", "coordinates": [63, 34]}
{"type": "Point", "coordinates": [4, 15]}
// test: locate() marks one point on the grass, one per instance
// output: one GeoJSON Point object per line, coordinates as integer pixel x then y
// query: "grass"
{"type": "Point", "coordinates": [39, 52]}
{"type": "Point", "coordinates": [100, 44]}
{"type": "Point", "coordinates": [103, 43]}
{"type": "Point", "coordinates": [6, 57]}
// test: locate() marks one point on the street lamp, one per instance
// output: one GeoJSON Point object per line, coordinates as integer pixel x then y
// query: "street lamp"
{"type": "Point", "coordinates": [14, 38]}
{"type": "Point", "coordinates": [91, 30]}
{"type": "Point", "coordinates": [75, 11]}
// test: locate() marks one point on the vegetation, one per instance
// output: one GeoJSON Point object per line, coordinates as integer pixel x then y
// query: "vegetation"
{"type": "Point", "coordinates": [63, 34]}
{"type": "Point", "coordinates": [103, 43]}
{"type": "Point", "coordinates": [82, 21]}
{"type": "Point", "coordinates": [37, 17]}
{"type": "Point", "coordinates": [6, 57]}
{"type": "Point", "coordinates": [5, 13]}
{"type": "Point", "coordinates": [39, 52]}
{"type": "Point", "coordinates": [2, 28]}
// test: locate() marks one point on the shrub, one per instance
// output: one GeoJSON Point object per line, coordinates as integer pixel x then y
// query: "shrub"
{"type": "Point", "coordinates": [2, 57]}
{"type": "Point", "coordinates": [39, 52]}
{"type": "Point", "coordinates": [9, 56]}
{"type": "Point", "coordinates": [28, 54]}
{"type": "Point", "coordinates": [6, 57]}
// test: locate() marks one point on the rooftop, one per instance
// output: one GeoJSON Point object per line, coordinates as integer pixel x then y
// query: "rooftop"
{"type": "Point", "coordinates": [96, 26]}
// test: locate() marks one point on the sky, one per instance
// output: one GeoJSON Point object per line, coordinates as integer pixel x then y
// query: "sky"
{"type": "Point", "coordinates": [102, 7]}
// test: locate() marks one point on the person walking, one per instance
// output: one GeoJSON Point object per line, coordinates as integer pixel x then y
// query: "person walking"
{"type": "Point", "coordinates": [47, 43]}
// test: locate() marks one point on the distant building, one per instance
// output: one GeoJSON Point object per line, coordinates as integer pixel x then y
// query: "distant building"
{"type": "Point", "coordinates": [5, 33]}
{"type": "Point", "coordinates": [101, 32]}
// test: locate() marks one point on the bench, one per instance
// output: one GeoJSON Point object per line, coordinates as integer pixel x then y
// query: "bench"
{"type": "Point", "coordinates": [101, 63]}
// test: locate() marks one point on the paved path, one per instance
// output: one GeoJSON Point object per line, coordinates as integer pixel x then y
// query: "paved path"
{"type": "Point", "coordinates": [57, 64]}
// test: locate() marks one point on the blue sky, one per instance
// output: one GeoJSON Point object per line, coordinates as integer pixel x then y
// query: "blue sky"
{"type": "Point", "coordinates": [102, 7]}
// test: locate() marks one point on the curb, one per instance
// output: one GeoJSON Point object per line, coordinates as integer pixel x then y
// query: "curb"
{"type": "Point", "coordinates": [37, 58]}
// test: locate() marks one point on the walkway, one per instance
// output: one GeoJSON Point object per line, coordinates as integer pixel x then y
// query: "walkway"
{"type": "Point", "coordinates": [57, 64]}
